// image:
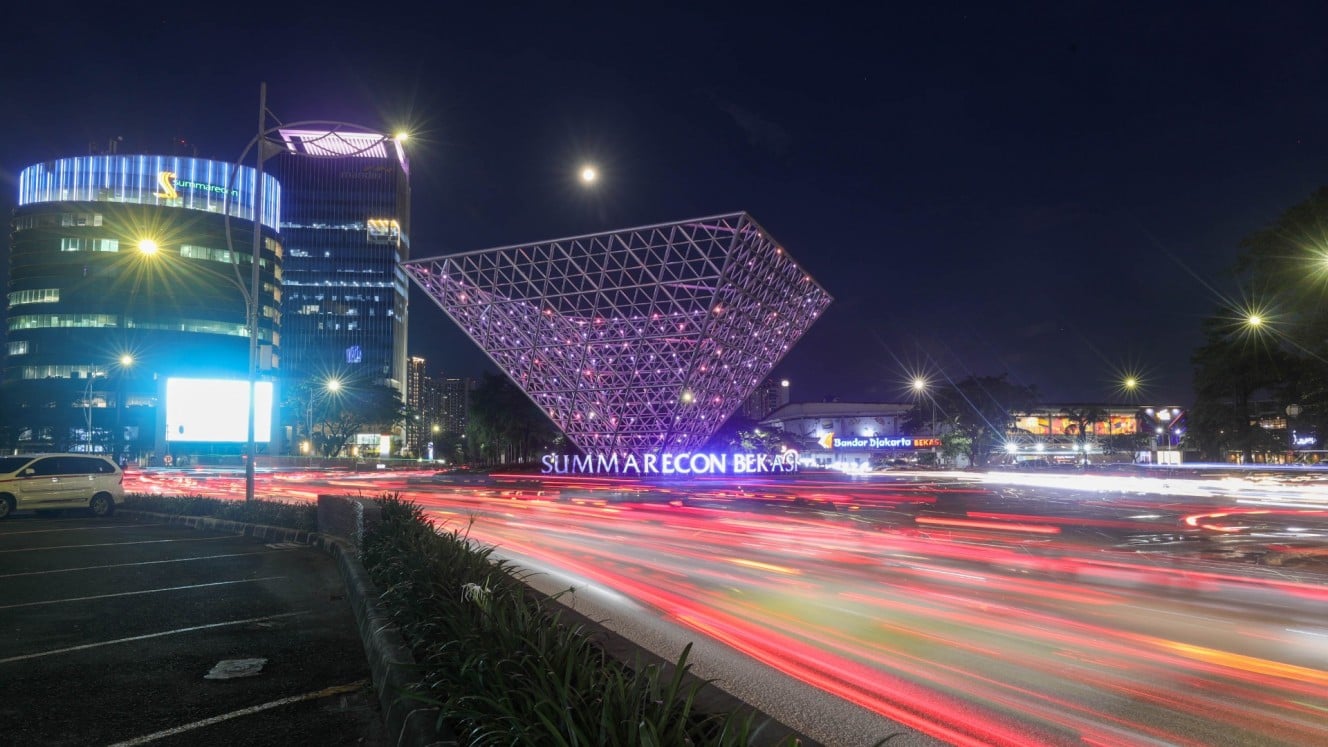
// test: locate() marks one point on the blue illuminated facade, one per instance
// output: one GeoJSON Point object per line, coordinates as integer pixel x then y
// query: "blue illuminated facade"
{"type": "Point", "coordinates": [163, 181]}
{"type": "Point", "coordinates": [82, 294]}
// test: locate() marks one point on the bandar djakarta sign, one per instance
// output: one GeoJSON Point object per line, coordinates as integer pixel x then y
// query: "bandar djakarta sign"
{"type": "Point", "coordinates": [683, 463]}
{"type": "Point", "coordinates": [831, 441]}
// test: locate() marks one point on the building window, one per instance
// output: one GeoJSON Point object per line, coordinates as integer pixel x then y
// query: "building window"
{"type": "Point", "coordinates": [46, 321]}
{"type": "Point", "coordinates": [18, 347]}
{"type": "Point", "coordinates": [80, 219]}
{"type": "Point", "coordinates": [71, 244]}
{"type": "Point", "coordinates": [36, 295]}
{"type": "Point", "coordinates": [191, 251]}
{"type": "Point", "coordinates": [383, 231]}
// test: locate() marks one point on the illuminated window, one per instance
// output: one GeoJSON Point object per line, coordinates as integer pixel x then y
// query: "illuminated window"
{"type": "Point", "coordinates": [68, 244]}
{"type": "Point", "coordinates": [80, 219]}
{"type": "Point", "coordinates": [383, 231]}
{"type": "Point", "coordinates": [47, 321]}
{"type": "Point", "coordinates": [191, 251]}
{"type": "Point", "coordinates": [36, 295]}
{"type": "Point", "coordinates": [18, 347]}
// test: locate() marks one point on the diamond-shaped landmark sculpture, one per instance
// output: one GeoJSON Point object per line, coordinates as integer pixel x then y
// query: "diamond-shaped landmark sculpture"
{"type": "Point", "coordinates": [633, 341]}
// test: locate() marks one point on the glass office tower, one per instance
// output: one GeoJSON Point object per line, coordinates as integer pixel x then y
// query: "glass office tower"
{"type": "Point", "coordinates": [345, 226]}
{"type": "Point", "coordinates": [121, 277]}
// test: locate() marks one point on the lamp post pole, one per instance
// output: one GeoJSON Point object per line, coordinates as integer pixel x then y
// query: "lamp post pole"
{"type": "Point", "coordinates": [1292, 411]}
{"type": "Point", "coordinates": [252, 310]}
{"type": "Point", "coordinates": [87, 404]}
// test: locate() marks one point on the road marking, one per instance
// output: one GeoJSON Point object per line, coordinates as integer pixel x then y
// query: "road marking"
{"type": "Point", "coordinates": [81, 529]}
{"type": "Point", "coordinates": [324, 693]}
{"type": "Point", "coordinates": [177, 631]}
{"type": "Point", "coordinates": [136, 593]}
{"type": "Point", "coordinates": [117, 544]}
{"type": "Point", "coordinates": [130, 565]}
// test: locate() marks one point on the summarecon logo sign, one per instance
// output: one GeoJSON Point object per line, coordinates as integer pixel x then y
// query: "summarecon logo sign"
{"type": "Point", "coordinates": [664, 464]}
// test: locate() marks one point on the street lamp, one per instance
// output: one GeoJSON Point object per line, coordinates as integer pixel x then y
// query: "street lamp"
{"type": "Point", "coordinates": [330, 387]}
{"type": "Point", "coordinates": [921, 387]}
{"type": "Point", "coordinates": [251, 294]}
{"type": "Point", "coordinates": [87, 404]}
{"type": "Point", "coordinates": [121, 443]}
{"type": "Point", "coordinates": [1292, 410]}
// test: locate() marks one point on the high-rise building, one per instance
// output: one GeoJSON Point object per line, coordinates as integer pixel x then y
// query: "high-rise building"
{"type": "Point", "coordinates": [418, 422]}
{"type": "Point", "coordinates": [454, 403]}
{"type": "Point", "coordinates": [121, 278]}
{"type": "Point", "coordinates": [346, 226]}
{"type": "Point", "coordinates": [769, 395]}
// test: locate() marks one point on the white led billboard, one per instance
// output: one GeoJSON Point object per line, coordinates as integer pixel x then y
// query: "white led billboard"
{"type": "Point", "coordinates": [217, 410]}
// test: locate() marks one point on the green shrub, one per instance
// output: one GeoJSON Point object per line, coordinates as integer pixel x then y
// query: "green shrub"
{"type": "Point", "coordinates": [505, 669]}
{"type": "Point", "coordinates": [302, 516]}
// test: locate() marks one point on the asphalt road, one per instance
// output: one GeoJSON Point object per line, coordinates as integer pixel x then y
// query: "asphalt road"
{"type": "Point", "coordinates": [109, 629]}
{"type": "Point", "coordinates": [974, 609]}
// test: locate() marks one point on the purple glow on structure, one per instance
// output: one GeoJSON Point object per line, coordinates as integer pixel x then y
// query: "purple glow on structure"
{"type": "Point", "coordinates": [568, 319]}
{"type": "Point", "coordinates": [336, 143]}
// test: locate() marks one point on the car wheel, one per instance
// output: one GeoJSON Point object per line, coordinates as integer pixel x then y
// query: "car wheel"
{"type": "Point", "coordinates": [6, 506]}
{"type": "Point", "coordinates": [102, 505]}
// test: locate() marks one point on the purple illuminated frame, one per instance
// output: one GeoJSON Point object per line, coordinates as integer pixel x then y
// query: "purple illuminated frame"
{"type": "Point", "coordinates": [633, 341]}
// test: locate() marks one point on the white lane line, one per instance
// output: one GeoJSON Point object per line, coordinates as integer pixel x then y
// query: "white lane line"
{"type": "Point", "coordinates": [177, 631]}
{"type": "Point", "coordinates": [324, 693]}
{"type": "Point", "coordinates": [136, 593]}
{"type": "Point", "coordinates": [131, 565]}
{"type": "Point", "coordinates": [81, 529]}
{"type": "Point", "coordinates": [118, 544]}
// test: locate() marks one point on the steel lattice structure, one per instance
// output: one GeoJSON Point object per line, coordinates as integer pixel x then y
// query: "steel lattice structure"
{"type": "Point", "coordinates": [638, 340]}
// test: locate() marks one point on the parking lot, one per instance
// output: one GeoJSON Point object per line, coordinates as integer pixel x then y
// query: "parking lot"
{"type": "Point", "coordinates": [110, 628]}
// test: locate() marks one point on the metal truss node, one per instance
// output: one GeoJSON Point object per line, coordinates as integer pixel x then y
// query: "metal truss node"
{"type": "Point", "coordinates": [640, 340]}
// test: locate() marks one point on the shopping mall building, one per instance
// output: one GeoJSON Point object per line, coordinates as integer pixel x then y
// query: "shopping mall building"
{"type": "Point", "coordinates": [866, 436]}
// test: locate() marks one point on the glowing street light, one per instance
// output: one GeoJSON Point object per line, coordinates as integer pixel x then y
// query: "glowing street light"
{"type": "Point", "coordinates": [264, 149]}
{"type": "Point", "coordinates": [922, 387]}
{"type": "Point", "coordinates": [589, 175]}
{"type": "Point", "coordinates": [148, 246]}
{"type": "Point", "coordinates": [330, 387]}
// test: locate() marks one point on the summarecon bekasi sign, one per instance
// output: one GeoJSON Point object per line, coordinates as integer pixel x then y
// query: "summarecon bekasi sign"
{"type": "Point", "coordinates": [669, 464]}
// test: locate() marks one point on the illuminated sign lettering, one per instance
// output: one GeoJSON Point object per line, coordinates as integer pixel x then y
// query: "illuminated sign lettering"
{"type": "Point", "coordinates": [668, 464]}
{"type": "Point", "coordinates": [166, 180]}
{"type": "Point", "coordinates": [169, 187]}
{"type": "Point", "coordinates": [830, 441]}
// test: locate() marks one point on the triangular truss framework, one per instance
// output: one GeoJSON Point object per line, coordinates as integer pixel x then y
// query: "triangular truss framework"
{"type": "Point", "coordinates": [639, 340]}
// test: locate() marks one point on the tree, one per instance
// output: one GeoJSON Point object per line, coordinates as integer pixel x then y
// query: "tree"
{"type": "Point", "coordinates": [1233, 366]}
{"type": "Point", "coordinates": [976, 414]}
{"type": "Point", "coordinates": [741, 433]}
{"type": "Point", "coordinates": [1083, 419]}
{"type": "Point", "coordinates": [352, 410]}
{"type": "Point", "coordinates": [503, 425]}
{"type": "Point", "coordinates": [1283, 270]}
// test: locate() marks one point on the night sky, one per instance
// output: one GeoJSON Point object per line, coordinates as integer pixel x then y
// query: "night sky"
{"type": "Point", "coordinates": [1055, 192]}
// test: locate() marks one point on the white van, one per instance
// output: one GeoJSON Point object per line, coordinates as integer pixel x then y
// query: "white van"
{"type": "Point", "coordinates": [53, 481]}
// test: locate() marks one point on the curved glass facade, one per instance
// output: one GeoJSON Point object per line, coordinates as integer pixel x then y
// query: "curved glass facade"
{"type": "Point", "coordinates": [167, 181]}
{"type": "Point", "coordinates": [117, 283]}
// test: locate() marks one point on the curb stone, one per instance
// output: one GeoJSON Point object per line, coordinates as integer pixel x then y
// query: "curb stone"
{"type": "Point", "coordinates": [391, 662]}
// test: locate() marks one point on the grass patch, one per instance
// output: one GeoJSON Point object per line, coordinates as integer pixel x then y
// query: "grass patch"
{"type": "Point", "coordinates": [505, 669]}
{"type": "Point", "coordinates": [499, 661]}
{"type": "Point", "coordinates": [302, 516]}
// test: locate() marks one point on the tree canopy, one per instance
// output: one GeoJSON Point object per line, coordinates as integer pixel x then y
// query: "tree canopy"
{"type": "Point", "coordinates": [1273, 345]}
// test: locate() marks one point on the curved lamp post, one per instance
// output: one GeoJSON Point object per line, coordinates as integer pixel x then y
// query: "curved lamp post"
{"type": "Point", "coordinates": [251, 293]}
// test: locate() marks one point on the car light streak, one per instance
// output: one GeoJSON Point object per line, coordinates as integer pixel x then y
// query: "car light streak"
{"type": "Point", "coordinates": [1057, 632]}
